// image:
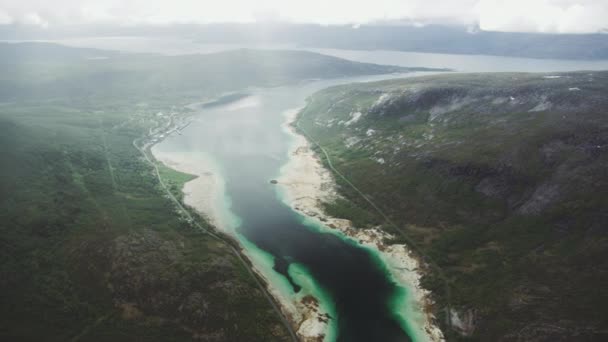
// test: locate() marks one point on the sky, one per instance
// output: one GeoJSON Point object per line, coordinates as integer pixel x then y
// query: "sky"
{"type": "Point", "coordinates": [555, 16]}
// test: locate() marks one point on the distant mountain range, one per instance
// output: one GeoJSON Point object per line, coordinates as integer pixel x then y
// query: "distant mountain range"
{"type": "Point", "coordinates": [91, 246]}
{"type": "Point", "coordinates": [429, 38]}
{"type": "Point", "coordinates": [38, 70]}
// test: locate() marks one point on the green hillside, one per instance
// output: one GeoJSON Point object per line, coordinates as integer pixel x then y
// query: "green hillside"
{"type": "Point", "coordinates": [91, 249]}
{"type": "Point", "coordinates": [497, 181]}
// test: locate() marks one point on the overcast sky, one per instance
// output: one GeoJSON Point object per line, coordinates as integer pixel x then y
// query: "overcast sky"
{"type": "Point", "coordinates": [503, 15]}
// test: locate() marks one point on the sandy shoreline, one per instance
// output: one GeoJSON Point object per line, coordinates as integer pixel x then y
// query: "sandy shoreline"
{"type": "Point", "coordinates": [304, 184]}
{"type": "Point", "coordinates": [308, 315]}
{"type": "Point", "coordinates": [205, 193]}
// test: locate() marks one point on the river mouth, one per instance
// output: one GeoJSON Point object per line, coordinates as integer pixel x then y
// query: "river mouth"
{"type": "Point", "coordinates": [237, 149]}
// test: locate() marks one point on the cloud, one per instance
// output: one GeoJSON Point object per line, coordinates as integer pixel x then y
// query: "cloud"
{"type": "Point", "coordinates": [33, 18]}
{"type": "Point", "coordinates": [543, 15]}
{"type": "Point", "coordinates": [501, 15]}
{"type": "Point", "coordinates": [5, 18]}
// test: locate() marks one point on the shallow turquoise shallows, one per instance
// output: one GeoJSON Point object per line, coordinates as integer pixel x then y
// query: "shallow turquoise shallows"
{"type": "Point", "coordinates": [249, 146]}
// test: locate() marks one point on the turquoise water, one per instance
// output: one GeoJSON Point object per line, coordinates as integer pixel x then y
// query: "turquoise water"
{"type": "Point", "coordinates": [297, 255]}
{"type": "Point", "coordinates": [303, 257]}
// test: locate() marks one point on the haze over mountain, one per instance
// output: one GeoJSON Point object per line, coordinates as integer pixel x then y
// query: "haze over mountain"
{"type": "Point", "coordinates": [92, 246]}
{"type": "Point", "coordinates": [304, 170]}
{"type": "Point", "coordinates": [560, 29]}
{"type": "Point", "coordinates": [431, 38]}
{"type": "Point", "coordinates": [557, 16]}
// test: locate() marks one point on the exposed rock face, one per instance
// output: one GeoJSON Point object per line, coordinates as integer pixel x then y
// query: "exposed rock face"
{"type": "Point", "coordinates": [492, 187]}
{"type": "Point", "coordinates": [307, 185]}
{"type": "Point", "coordinates": [543, 196]}
{"type": "Point", "coordinates": [417, 100]}
{"type": "Point", "coordinates": [501, 177]}
{"type": "Point", "coordinates": [463, 322]}
{"type": "Point", "coordinates": [312, 328]}
{"type": "Point", "coordinates": [436, 99]}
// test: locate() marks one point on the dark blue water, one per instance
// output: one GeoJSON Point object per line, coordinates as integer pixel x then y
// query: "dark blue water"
{"type": "Point", "coordinates": [250, 148]}
{"type": "Point", "coordinates": [359, 289]}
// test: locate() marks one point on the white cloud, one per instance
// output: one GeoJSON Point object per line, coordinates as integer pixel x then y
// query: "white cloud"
{"type": "Point", "coordinates": [33, 18]}
{"type": "Point", "coordinates": [5, 19]}
{"type": "Point", "coordinates": [543, 15]}
{"type": "Point", "coordinates": [505, 15]}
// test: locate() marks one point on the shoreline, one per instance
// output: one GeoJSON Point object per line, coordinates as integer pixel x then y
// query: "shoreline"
{"type": "Point", "coordinates": [231, 240]}
{"type": "Point", "coordinates": [308, 315]}
{"type": "Point", "coordinates": [305, 312]}
{"type": "Point", "coordinates": [304, 184]}
{"type": "Point", "coordinates": [205, 192]}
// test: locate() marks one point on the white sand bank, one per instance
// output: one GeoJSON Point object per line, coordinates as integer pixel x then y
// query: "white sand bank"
{"type": "Point", "coordinates": [206, 194]}
{"type": "Point", "coordinates": [305, 184]}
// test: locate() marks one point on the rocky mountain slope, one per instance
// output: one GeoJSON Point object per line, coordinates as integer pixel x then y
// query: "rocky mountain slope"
{"type": "Point", "coordinates": [498, 181]}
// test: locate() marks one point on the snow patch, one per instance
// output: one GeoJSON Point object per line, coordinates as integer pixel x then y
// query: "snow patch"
{"type": "Point", "coordinates": [428, 136]}
{"type": "Point", "coordinates": [382, 99]}
{"type": "Point", "coordinates": [454, 105]}
{"type": "Point", "coordinates": [544, 105]}
{"type": "Point", "coordinates": [464, 322]}
{"type": "Point", "coordinates": [351, 141]}
{"type": "Point", "coordinates": [354, 117]}
{"type": "Point", "coordinates": [499, 100]}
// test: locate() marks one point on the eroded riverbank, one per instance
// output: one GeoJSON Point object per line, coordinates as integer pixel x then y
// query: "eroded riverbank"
{"type": "Point", "coordinates": [304, 184]}
{"type": "Point", "coordinates": [328, 285]}
{"type": "Point", "coordinates": [309, 311]}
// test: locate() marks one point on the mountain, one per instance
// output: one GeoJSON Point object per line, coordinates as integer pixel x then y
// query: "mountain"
{"type": "Point", "coordinates": [92, 246]}
{"type": "Point", "coordinates": [54, 70]}
{"type": "Point", "coordinates": [460, 40]}
{"type": "Point", "coordinates": [496, 181]}
{"type": "Point", "coordinates": [451, 39]}
{"type": "Point", "coordinates": [17, 53]}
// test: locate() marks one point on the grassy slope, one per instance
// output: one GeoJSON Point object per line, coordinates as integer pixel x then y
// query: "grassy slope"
{"type": "Point", "coordinates": [175, 180]}
{"type": "Point", "coordinates": [100, 253]}
{"type": "Point", "coordinates": [499, 178]}
{"type": "Point", "coordinates": [90, 247]}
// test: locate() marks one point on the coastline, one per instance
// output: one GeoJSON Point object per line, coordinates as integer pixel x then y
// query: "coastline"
{"type": "Point", "coordinates": [308, 313]}
{"type": "Point", "coordinates": [205, 193]}
{"type": "Point", "coordinates": [304, 184]}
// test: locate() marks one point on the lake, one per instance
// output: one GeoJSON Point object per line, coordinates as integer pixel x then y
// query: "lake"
{"type": "Point", "coordinates": [244, 146]}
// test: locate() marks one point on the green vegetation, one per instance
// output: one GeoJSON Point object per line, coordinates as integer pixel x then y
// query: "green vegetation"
{"type": "Point", "coordinates": [497, 180]}
{"type": "Point", "coordinates": [91, 247]}
{"type": "Point", "coordinates": [174, 180]}
{"type": "Point", "coordinates": [92, 250]}
{"type": "Point", "coordinates": [360, 216]}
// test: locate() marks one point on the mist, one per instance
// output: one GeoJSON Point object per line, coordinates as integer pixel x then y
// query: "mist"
{"type": "Point", "coordinates": [556, 16]}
